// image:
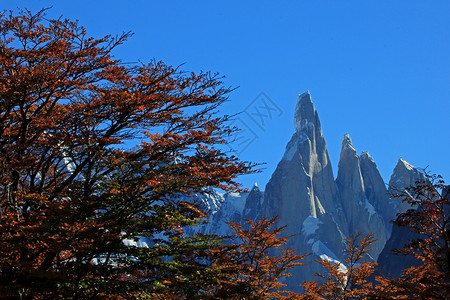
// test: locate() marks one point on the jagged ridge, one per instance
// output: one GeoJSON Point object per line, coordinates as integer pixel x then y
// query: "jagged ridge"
{"type": "Point", "coordinates": [318, 210]}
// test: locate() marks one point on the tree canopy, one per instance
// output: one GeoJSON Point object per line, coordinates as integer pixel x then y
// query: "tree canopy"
{"type": "Point", "coordinates": [349, 280]}
{"type": "Point", "coordinates": [75, 200]}
{"type": "Point", "coordinates": [429, 219]}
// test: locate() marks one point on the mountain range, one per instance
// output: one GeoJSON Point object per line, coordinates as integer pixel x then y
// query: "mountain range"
{"type": "Point", "coordinates": [318, 210]}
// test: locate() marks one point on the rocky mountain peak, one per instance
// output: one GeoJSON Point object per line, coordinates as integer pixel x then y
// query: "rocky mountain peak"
{"type": "Point", "coordinates": [366, 156]}
{"type": "Point", "coordinates": [305, 116]}
{"type": "Point", "coordinates": [404, 175]}
{"type": "Point", "coordinates": [349, 159]}
{"type": "Point", "coordinates": [361, 192]}
{"type": "Point", "coordinates": [348, 152]}
{"type": "Point", "coordinates": [319, 212]}
{"type": "Point", "coordinates": [253, 203]}
{"type": "Point", "coordinates": [302, 191]}
{"type": "Point", "coordinates": [404, 164]}
{"type": "Point", "coordinates": [304, 177]}
{"type": "Point", "coordinates": [347, 143]}
{"type": "Point", "coordinates": [255, 186]}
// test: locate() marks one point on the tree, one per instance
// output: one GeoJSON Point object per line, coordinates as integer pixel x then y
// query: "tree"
{"type": "Point", "coordinates": [429, 218]}
{"type": "Point", "coordinates": [345, 281]}
{"type": "Point", "coordinates": [74, 202]}
{"type": "Point", "coordinates": [254, 273]}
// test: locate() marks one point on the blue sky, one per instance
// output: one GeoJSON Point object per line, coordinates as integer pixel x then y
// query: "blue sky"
{"type": "Point", "coordinates": [379, 70]}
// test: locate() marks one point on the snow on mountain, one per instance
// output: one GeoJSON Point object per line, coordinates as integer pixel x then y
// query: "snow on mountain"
{"type": "Point", "coordinates": [319, 211]}
{"type": "Point", "coordinates": [310, 226]}
{"type": "Point", "coordinates": [361, 215]}
{"type": "Point", "coordinates": [226, 207]}
{"type": "Point", "coordinates": [302, 193]}
{"type": "Point", "coordinates": [403, 176]}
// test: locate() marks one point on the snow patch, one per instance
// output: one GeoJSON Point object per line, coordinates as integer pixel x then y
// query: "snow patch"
{"type": "Point", "coordinates": [408, 166]}
{"type": "Point", "coordinates": [347, 142]}
{"type": "Point", "coordinates": [369, 207]}
{"type": "Point", "coordinates": [289, 154]}
{"type": "Point", "coordinates": [140, 243]}
{"type": "Point", "coordinates": [342, 268]}
{"type": "Point", "coordinates": [210, 199]}
{"type": "Point", "coordinates": [310, 225]}
{"type": "Point", "coordinates": [324, 253]}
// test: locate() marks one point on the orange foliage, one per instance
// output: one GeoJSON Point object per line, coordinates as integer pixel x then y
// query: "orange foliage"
{"type": "Point", "coordinates": [252, 270]}
{"type": "Point", "coordinates": [345, 281]}
{"type": "Point", "coordinates": [429, 217]}
{"type": "Point", "coordinates": [70, 196]}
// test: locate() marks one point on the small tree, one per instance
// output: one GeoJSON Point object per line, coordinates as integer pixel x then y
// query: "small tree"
{"type": "Point", "coordinates": [73, 203]}
{"type": "Point", "coordinates": [253, 272]}
{"type": "Point", "coordinates": [429, 217]}
{"type": "Point", "coordinates": [349, 281]}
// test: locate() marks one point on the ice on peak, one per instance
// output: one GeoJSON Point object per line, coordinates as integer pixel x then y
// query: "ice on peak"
{"type": "Point", "coordinates": [407, 165]}
{"type": "Point", "coordinates": [255, 187]}
{"type": "Point", "coordinates": [366, 155]}
{"type": "Point", "coordinates": [346, 138]}
{"type": "Point", "coordinates": [347, 142]}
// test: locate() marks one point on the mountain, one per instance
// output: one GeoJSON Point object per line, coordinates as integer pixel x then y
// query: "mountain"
{"type": "Point", "coordinates": [390, 264]}
{"type": "Point", "coordinates": [229, 207]}
{"type": "Point", "coordinates": [319, 211]}
{"type": "Point", "coordinates": [363, 209]}
{"type": "Point", "coordinates": [404, 175]}
{"type": "Point", "coordinates": [302, 193]}
{"type": "Point", "coordinates": [375, 191]}
{"type": "Point", "coordinates": [253, 203]}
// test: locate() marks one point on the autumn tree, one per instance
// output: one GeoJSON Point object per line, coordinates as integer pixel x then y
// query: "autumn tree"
{"type": "Point", "coordinates": [254, 271]}
{"type": "Point", "coordinates": [429, 218]}
{"type": "Point", "coordinates": [75, 205]}
{"type": "Point", "coordinates": [349, 280]}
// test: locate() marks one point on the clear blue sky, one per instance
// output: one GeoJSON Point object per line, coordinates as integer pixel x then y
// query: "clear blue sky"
{"type": "Point", "coordinates": [379, 70]}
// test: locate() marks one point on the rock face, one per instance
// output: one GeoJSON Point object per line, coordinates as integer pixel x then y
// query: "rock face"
{"type": "Point", "coordinates": [302, 193]}
{"type": "Point", "coordinates": [389, 264]}
{"type": "Point", "coordinates": [222, 208]}
{"type": "Point", "coordinates": [210, 201]}
{"type": "Point", "coordinates": [357, 203]}
{"type": "Point", "coordinates": [302, 184]}
{"type": "Point", "coordinates": [404, 175]}
{"type": "Point", "coordinates": [375, 191]}
{"type": "Point", "coordinates": [230, 211]}
{"type": "Point", "coordinates": [253, 203]}
{"type": "Point", "coordinates": [319, 212]}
